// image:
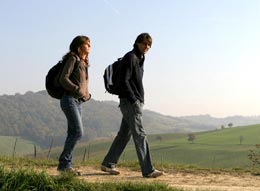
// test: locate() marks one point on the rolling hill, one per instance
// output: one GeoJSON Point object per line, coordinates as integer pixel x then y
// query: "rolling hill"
{"type": "Point", "coordinates": [38, 118]}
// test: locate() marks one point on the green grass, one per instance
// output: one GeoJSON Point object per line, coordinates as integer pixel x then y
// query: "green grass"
{"type": "Point", "coordinates": [23, 147]}
{"type": "Point", "coordinates": [220, 149]}
{"type": "Point", "coordinates": [215, 149]}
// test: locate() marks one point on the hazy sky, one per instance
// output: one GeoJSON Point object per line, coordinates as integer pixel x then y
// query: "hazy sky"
{"type": "Point", "coordinates": [204, 58]}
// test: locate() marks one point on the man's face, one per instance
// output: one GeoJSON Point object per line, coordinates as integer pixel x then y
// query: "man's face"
{"type": "Point", "coordinates": [144, 46]}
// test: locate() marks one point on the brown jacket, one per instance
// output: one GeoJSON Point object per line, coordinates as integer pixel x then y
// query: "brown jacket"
{"type": "Point", "coordinates": [75, 81]}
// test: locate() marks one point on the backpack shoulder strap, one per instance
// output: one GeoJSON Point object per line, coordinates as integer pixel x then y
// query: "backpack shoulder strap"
{"type": "Point", "coordinates": [76, 66]}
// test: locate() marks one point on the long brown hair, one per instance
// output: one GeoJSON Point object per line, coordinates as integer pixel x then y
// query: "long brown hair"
{"type": "Point", "coordinates": [77, 42]}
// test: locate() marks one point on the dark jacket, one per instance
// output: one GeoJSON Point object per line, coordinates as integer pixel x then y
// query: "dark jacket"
{"type": "Point", "coordinates": [75, 82]}
{"type": "Point", "coordinates": [131, 76]}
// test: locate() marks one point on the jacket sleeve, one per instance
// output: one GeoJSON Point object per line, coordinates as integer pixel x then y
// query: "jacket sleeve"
{"type": "Point", "coordinates": [65, 75]}
{"type": "Point", "coordinates": [126, 74]}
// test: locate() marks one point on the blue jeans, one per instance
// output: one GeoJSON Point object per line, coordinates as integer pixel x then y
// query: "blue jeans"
{"type": "Point", "coordinates": [131, 125]}
{"type": "Point", "coordinates": [72, 110]}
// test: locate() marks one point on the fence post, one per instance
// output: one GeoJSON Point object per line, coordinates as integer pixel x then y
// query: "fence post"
{"type": "Point", "coordinates": [35, 151]}
{"type": "Point", "coordinates": [84, 156]}
{"type": "Point", "coordinates": [14, 147]}
{"type": "Point", "coordinates": [49, 152]}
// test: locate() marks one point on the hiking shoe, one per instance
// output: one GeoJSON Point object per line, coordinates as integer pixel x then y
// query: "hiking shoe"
{"type": "Point", "coordinates": [111, 171]}
{"type": "Point", "coordinates": [154, 174]}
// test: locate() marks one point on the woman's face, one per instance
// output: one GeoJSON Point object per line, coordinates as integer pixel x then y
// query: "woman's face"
{"type": "Point", "coordinates": [85, 48]}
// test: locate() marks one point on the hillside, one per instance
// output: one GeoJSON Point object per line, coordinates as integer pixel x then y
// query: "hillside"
{"type": "Point", "coordinates": [38, 118]}
{"type": "Point", "coordinates": [214, 149]}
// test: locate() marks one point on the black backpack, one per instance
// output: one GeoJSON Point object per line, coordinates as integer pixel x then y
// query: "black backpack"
{"type": "Point", "coordinates": [52, 84]}
{"type": "Point", "coordinates": [111, 77]}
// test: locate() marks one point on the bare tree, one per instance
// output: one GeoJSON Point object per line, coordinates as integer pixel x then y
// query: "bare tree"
{"type": "Point", "coordinates": [191, 137]}
{"type": "Point", "coordinates": [230, 125]}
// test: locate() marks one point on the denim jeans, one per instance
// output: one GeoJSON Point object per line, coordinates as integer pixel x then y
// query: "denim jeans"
{"type": "Point", "coordinates": [72, 110]}
{"type": "Point", "coordinates": [131, 125]}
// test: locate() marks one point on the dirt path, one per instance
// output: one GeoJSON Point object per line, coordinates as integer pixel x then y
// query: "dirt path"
{"type": "Point", "coordinates": [188, 181]}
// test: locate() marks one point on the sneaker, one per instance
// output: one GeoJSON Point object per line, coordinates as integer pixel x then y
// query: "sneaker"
{"type": "Point", "coordinates": [111, 171]}
{"type": "Point", "coordinates": [154, 174]}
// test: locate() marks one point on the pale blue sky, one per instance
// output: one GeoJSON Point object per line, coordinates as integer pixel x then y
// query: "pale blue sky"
{"type": "Point", "coordinates": [204, 58]}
